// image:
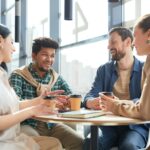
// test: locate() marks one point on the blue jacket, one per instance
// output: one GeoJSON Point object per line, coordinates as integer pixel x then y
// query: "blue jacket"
{"type": "Point", "coordinates": [104, 81]}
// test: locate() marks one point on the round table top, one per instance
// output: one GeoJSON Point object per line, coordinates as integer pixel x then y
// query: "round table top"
{"type": "Point", "coordinates": [107, 120]}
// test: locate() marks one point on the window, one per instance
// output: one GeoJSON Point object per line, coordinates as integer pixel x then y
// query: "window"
{"type": "Point", "coordinates": [38, 21]}
{"type": "Point", "coordinates": [145, 7]}
{"type": "Point", "coordinates": [90, 19]}
{"type": "Point", "coordinates": [79, 64]}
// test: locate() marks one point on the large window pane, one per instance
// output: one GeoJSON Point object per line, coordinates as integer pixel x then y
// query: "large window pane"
{"type": "Point", "coordinates": [38, 21]}
{"type": "Point", "coordinates": [128, 8]}
{"type": "Point", "coordinates": [145, 7]}
{"type": "Point", "coordinates": [10, 21]}
{"type": "Point", "coordinates": [79, 64]}
{"type": "Point", "coordinates": [90, 19]}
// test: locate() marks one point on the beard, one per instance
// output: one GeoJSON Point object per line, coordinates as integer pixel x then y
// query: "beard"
{"type": "Point", "coordinates": [118, 55]}
{"type": "Point", "coordinates": [40, 68]}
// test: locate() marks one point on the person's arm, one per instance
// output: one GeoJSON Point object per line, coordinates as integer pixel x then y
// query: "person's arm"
{"type": "Point", "coordinates": [9, 120]}
{"type": "Point", "coordinates": [93, 103]}
{"type": "Point", "coordinates": [141, 108]}
{"type": "Point", "coordinates": [28, 103]}
{"type": "Point", "coordinates": [12, 119]}
{"type": "Point", "coordinates": [95, 89]}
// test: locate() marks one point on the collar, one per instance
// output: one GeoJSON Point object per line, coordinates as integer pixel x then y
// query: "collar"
{"type": "Point", "coordinates": [136, 65]}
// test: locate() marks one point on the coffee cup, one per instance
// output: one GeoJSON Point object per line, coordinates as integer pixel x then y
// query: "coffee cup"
{"type": "Point", "coordinates": [75, 101]}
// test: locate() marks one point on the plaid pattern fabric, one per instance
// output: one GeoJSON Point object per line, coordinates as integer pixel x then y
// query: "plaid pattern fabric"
{"type": "Point", "coordinates": [26, 91]}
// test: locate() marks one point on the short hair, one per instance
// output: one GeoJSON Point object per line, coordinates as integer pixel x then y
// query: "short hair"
{"type": "Point", "coordinates": [123, 32]}
{"type": "Point", "coordinates": [144, 22]}
{"type": "Point", "coordinates": [4, 31]}
{"type": "Point", "coordinates": [43, 42]}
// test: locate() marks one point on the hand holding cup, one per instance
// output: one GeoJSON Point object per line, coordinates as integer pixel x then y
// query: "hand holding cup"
{"type": "Point", "coordinates": [106, 100]}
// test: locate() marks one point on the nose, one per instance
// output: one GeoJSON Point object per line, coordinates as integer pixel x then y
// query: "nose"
{"type": "Point", "coordinates": [48, 57]}
{"type": "Point", "coordinates": [133, 43]}
{"type": "Point", "coordinates": [109, 46]}
{"type": "Point", "coordinates": [13, 48]}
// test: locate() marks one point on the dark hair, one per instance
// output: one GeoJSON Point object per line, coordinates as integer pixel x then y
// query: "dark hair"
{"type": "Point", "coordinates": [4, 31]}
{"type": "Point", "coordinates": [123, 32]}
{"type": "Point", "coordinates": [43, 42]}
{"type": "Point", "coordinates": [144, 22]}
{"type": "Point", "coordinates": [4, 66]}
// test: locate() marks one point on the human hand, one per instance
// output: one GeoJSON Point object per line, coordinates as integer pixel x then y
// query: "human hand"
{"type": "Point", "coordinates": [46, 95]}
{"type": "Point", "coordinates": [41, 109]}
{"type": "Point", "coordinates": [54, 93]}
{"type": "Point", "coordinates": [63, 102]}
{"type": "Point", "coordinates": [106, 102]}
{"type": "Point", "coordinates": [49, 102]}
{"type": "Point", "coordinates": [93, 103]}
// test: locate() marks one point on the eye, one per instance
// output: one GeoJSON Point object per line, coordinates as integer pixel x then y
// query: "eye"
{"type": "Point", "coordinates": [52, 56]}
{"type": "Point", "coordinates": [44, 54]}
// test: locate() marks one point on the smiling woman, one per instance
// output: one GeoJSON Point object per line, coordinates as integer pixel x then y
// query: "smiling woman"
{"type": "Point", "coordinates": [6, 44]}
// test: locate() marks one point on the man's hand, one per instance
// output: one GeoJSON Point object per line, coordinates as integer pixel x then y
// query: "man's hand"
{"type": "Point", "coordinates": [93, 103]}
{"type": "Point", "coordinates": [40, 109]}
{"type": "Point", "coordinates": [106, 102]}
{"type": "Point", "coordinates": [55, 93]}
{"type": "Point", "coordinates": [63, 102]}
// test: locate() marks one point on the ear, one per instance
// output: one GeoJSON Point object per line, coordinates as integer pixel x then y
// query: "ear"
{"type": "Point", "coordinates": [1, 39]}
{"type": "Point", "coordinates": [1, 42]}
{"type": "Point", "coordinates": [33, 56]}
{"type": "Point", "coordinates": [148, 34]}
{"type": "Point", "coordinates": [128, 42]}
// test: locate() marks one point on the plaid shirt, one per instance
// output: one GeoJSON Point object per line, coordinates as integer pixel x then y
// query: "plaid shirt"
{"type": "Point", "coordinates": [26, 91]}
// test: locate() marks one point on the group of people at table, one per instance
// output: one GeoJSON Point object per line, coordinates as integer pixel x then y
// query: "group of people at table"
{"type": "Point", "coordinates": [21, 96]}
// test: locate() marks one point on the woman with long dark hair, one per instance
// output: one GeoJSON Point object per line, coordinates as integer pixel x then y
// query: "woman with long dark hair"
{"type": "Point", "coordinates": [12, 112]}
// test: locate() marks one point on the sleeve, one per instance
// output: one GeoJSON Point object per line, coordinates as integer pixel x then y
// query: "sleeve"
{"type": "Point", "coordinates": [15, 81]}
{"type": "Point", "coordinates": [127, 108]}
{"type": "Point", "coordinates": [97, 85]}
{"type": "Point", "coordinates": [141, 108]}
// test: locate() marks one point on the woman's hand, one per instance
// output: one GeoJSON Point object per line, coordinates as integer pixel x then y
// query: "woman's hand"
{"type": "Point", "coordinates": [58, 101]}
{"type": "Point", "coordinates": [41, 109]}
{"type": "Point", "coordinates": [62, 101]}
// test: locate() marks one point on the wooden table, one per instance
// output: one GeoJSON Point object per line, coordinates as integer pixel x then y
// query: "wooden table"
{"type": "Point", "coordinates": [105, 120]}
